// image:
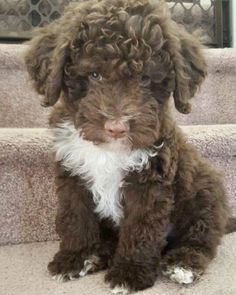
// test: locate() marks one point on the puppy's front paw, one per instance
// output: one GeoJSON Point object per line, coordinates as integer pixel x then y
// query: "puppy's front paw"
{"type": "Point", "coordinates": [68, 265]}
{"type": "Point", "coordinates": [126, 278]}
{"type": "Point", "coordinates": [65, 266]}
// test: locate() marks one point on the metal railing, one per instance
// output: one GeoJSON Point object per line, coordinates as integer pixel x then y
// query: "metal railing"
{"type": "Point", "coordinates": [19, 17]}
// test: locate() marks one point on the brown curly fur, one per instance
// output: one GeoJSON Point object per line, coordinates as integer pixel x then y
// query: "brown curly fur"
{"type": "Point", "coordinates": [144, 57]}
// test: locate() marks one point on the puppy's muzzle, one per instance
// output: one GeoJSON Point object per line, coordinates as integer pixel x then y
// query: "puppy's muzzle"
{"type": "Point", "coordinates": [116, 128]}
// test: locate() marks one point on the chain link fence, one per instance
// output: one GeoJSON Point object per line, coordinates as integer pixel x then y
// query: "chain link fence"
{"type": "Point", "coordinates": [19, 17]}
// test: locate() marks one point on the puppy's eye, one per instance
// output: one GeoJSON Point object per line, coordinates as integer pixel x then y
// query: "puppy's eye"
{"type": "Point", "coordinates": [95, 76]}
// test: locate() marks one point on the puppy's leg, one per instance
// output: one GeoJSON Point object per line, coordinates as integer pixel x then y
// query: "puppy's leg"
{"type": "Point", "coordinates": [78, 229]}
{"type": "Point", "coordinates": [105, 249]}
{"type": "Point", "coordinates": [198, 233]}
{"type": "Point", "coordinates": [109, 240]}
{"type": "Point", "coordinates": [141, 239]}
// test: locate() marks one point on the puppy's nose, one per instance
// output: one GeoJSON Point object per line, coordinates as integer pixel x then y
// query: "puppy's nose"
{"type": "Point", "coordinates": [116, 129]}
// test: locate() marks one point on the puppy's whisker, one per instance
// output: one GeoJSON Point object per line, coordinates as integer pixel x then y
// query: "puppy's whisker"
{"type": "Point", "coordinates": [106, 115]}
{"type": "Point", "coordinates": [130, 140]}
{"type": "Point", "coordinates": [127, 118]}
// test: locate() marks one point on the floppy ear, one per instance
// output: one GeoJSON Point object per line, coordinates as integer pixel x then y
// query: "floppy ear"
{"type": "Point", "coordinates": [190, 69]}
{"type": "Point", "coordinates": [45, 60]}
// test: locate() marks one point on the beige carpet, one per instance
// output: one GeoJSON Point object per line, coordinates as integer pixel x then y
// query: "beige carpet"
{"type": "Point", "coordinates": [20, 105]}
{"type": "Point", "coordinates": [23, 272]}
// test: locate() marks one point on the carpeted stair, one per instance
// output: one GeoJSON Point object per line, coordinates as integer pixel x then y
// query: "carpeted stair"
{"type": "Point", "coordinates": [27, 192]}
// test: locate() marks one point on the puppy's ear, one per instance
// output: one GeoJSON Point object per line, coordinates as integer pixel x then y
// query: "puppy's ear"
{"type": "Point", "coordinates": [190, 69]}
{"type": "Point", "coordinates": [45, 60]}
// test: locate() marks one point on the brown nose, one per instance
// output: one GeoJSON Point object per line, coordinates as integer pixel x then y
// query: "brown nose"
{"type": "Point", "coordinates": [116, 129]}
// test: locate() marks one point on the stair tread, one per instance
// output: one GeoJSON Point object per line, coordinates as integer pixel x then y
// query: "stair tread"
{"type": "Point", "coordinates": [23, 271]}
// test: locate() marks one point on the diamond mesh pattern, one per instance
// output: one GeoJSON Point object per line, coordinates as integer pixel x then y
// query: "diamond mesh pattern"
{"type": "Point", "coordinates": [18, 17]}
{"type": "Point", "coordinates": [197, 16]}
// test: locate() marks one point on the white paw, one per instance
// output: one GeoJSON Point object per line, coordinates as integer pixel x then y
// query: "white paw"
{"type": "Point", "coordinates": [179, 274]}
{"type": "Point", "coordinates": [120, 290]}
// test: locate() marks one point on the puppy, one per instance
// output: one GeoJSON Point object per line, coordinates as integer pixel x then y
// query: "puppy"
{"type": "Point", "coordinates": [133, 196]}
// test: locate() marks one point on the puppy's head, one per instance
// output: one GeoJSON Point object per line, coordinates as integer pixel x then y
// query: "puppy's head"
{"type": "Point", "coordinates": [114, 64]}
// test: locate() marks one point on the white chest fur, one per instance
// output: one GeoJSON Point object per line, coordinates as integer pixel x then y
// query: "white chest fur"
{"type": "Point", "coordinates": [102, 169]}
